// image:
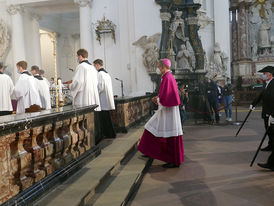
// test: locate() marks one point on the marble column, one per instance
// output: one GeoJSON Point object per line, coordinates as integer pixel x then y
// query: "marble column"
{"type": "Point", "coordinates": [18, 40]}
{"type": "Point", "coordinates": [36, 45]}
{"type": "Point", "coordinates": [234, 36]}
{"type": "Point", "coordinates": [242, 32]}
{"type": "Point", "coordinates": [85, 26]}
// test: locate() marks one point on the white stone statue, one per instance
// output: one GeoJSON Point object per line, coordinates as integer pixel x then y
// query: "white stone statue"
{"type": "Point", "coordinates": [268, 11]}
{"type": "Point", "coordinates": [151, 51]}
{"type": "Point", "coordinates": [4, 39]}
{"type": "Point", "coordinates": [264, 40]}
{"type": "Point", "coordinates": [177, 27]}
{"type": "Point", "coordinates": [254, 51]}
{"type": "Point", "coordinates": [218, 61]}
{"type": "Point", "coordinates": [192, 54]}
{"type": "Point", "coordinates": [184, 60]}
{"type": "Point", "coordinates": [255, 14]}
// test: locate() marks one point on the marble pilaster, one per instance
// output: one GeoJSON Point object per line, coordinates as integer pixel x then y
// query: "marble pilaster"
{"type": "Point", "coordinates": [242, 32]}
{"type": "Point", "coordinates": [36, 47]}
{"type": "Point", "coordinates": [18, 41]}
{"type": "Point", "coordinates": [85, 25]}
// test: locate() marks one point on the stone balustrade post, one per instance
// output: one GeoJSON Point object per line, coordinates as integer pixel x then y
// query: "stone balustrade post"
{"type": "Point", "coordinates": [67, 139]}
{"type": "Point", "coordinates": [89, 125]}
{"type": "Point", "coordinates": [25, 160]}
{"type": "Point", "coordinates": [81, 134]}
{"type": "Point", "coordinates": [74, 149]}
{"type": "Point", "coordinates": [58, 145]}
{"type": "Point", "coordinates": [43, 141]}
{"type": "Point", "coordinates": [8, 167]}
{"type": "Point", "coordinates": [38, 154]}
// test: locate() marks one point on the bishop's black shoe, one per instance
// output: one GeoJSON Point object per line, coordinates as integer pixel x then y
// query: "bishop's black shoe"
{"type": "Point", "coordinates": [266, 166]}
{"type": "Point", "coordinates": [170, 165]}
{"type": "Point", "coordinates": [267, 148]}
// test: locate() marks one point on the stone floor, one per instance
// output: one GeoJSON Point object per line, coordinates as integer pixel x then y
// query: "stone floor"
{"type": "Point", "coordinates": [216, 170]}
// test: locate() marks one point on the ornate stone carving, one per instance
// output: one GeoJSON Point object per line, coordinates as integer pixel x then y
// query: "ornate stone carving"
{"type": "Point", "coordinates": [184, 60]}
{"type": "Point", "coordinates": [36, 16]}
{"type": "Point", "coordinates": [105, 26]}
{"type": "Point", "coordinates": [165, 16]}
{"type": "Point", "coordinates": [219, 60]}
{"type": "Point", "coordinates": [177, 27]}
{"type": "Point", "coordinates": [83, 3]}
{"type": "Point", "coordinates": [203, 19]}
{"type": "Point", "coordinates": [192, 20]}
{"type": "Point", "coordinates": [151, 51]}
{"type": "Point", "coordinates": [254, 51]}
{"type": "Point", "coordinates": [4, 39]}
{"type": "Point", "coordinates": [264, 40]}
{"type": "Point", "coordinates": [14, 9]}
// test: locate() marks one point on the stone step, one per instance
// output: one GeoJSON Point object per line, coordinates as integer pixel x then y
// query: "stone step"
{"type": "Point", "coordinates": [125, 184]}
{"type": "Point", "coordinates": [79, 188]}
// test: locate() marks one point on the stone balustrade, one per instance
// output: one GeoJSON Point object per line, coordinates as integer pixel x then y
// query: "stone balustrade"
{"type": "Point", "coordinates": [33, 146]}
{"type": "Point", "coordinates": [130, 111]}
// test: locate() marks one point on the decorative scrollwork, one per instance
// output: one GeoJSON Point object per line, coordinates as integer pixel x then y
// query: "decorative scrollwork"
{"type": "Point", "coordinates": [4, 39]}
{"type": "Point", "coordinates": [105, 26]}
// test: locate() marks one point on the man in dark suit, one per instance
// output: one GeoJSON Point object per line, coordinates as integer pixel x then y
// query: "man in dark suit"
{"type": "Point", "coordinates": [267, 98]}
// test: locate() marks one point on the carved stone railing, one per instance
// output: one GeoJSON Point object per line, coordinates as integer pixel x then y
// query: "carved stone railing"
{"type": "Point", "coordinates": [130, 111]}
{"type": "Point", "coordinates": [35, 146]}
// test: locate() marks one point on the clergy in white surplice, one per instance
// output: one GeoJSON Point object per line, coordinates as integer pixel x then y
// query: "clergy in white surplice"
{"type": "Point", "coordinates": [25, 91]}
{"type": "Point", "coordinates": [84, 85]}
{"type": "Point", "coordinates": [42, 86]}
{"type": "Point", "coordinates": [42, 74]}
{"type": "Point", "coordinates": [106, 100]}
{"type": "Point", "coordinates": [6, 90]}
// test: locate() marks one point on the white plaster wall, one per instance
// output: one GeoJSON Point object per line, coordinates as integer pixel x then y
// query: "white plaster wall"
{"type": "Point", "coordinates": [123, 60]}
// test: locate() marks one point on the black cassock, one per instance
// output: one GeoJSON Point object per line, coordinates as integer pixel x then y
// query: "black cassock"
{"type": "Point", "coordinates": [267, 98]}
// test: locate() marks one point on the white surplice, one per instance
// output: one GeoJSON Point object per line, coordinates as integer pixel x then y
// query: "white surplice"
{"type": "Point", "coordinates": [166, 122]}
{"type": "Point", "coordinates": [105, 91]}
{"type": "Point", "coordinates": [26, 93]}
{"type": "Point", "coordinates": [6, 90]}
{"type": "Point", "coordinates": [43, 89]}
{"type": "Point", "coordinates": [84, 86]}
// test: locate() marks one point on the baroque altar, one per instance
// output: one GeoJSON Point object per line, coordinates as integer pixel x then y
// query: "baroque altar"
{"type": "Point", "coordinates": [252, 38]}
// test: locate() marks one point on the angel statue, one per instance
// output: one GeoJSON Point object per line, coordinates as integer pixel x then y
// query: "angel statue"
{"type": "Point", "coordinates": [151, 51]}
{"type": "Point", "coordinates": [4, 39]}
{"type": "Point", "coordinates": [219, 61]}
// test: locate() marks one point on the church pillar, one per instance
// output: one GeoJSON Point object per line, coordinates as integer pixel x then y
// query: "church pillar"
{"type": "Point", "coordinates": [36, 50]}
{"type": "Point", "coordinates": [234, 35]}
{"type": "Point", "coordinates": [242, 32]}
{"type": "Point", "coordinates": [85, 26]}
{"type": "Point", "coordinates": [165, 17]}
{"type": "Point", "coordinates": [18, 40]}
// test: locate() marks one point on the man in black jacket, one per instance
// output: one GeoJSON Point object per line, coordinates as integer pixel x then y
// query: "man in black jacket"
{"type": "Point", "coordinates": [212, 96]}
{"type": "Point", "coordinates": [267, 97]}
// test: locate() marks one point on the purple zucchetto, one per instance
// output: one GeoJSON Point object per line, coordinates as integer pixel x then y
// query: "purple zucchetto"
{"type": "Point", "coordinates": [166, 62]}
